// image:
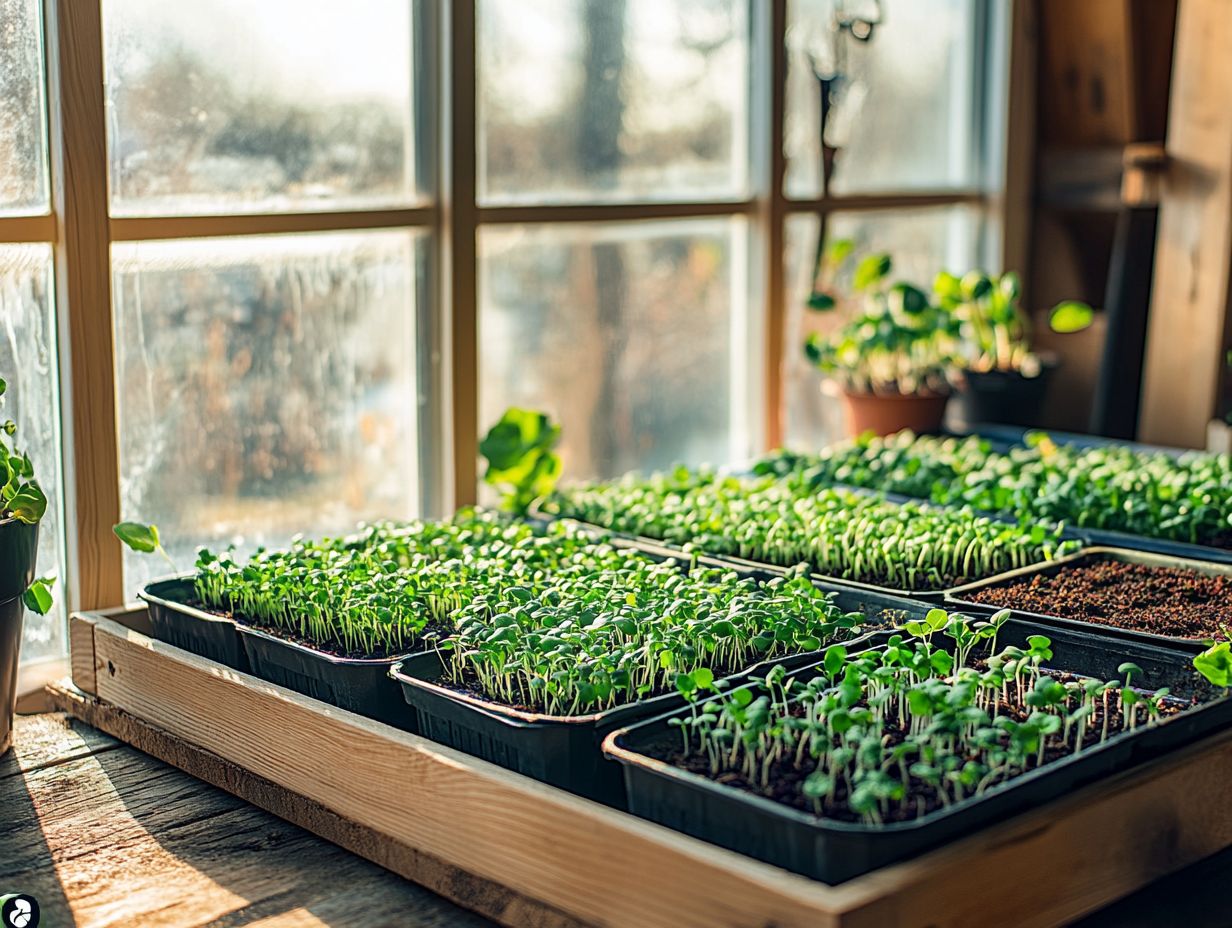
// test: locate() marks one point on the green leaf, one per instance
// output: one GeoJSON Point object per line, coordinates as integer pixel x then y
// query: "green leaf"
{"type": "Point", "coordinates": [871, 270]}
{"type": "Point", "coordinates": [820, 302]}
{"type": "Point", "coordinates": [3, 386]}
{"type": "Point", "coordinates": [1070, 316]}
{"type": "Point", "coordinates": [141, 538]}
{"type": "Point", "coordinates": [908, 299]}
{"type": "Point", "coordinates": [976, 285]}
{"type": "Point", "coordinates": [521, 459]}
{"type": "Point", "coordinates": [837, 251]}
{"type": "Point", "coordinates": [28, 504]}
{"type": "Point", "coordinates": [37, 597]}
{"type": "Point", "coordinates": [947, 286]}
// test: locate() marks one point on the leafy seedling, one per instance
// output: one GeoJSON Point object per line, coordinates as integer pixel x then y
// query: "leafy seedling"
{"type": "Point", "coordinates": [521, 456]}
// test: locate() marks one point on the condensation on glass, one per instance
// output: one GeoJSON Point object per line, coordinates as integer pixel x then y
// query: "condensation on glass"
{"type": "Point", "coordinates": [266, 387]}
{"type": "Point", "coordinates": [904, 103]}
{"type": "Point", "coordinates": [23, 149]}
{"type": "Point", "coordinates": [28, 363]}
{"type": "Point", "coordinates": [921, 242]}
{"type": "Point", "coordinates": [612, 100]}
{"type": "Point", "coordinates": [633, 336]}
{"type": "Point", "coordinates": [218, 106]}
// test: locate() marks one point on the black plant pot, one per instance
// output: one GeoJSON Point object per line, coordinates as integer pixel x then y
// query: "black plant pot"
{"type": "Point", "coordinates": [18, 548]}
{"type": "Point", "coordinates": [1003, 397]}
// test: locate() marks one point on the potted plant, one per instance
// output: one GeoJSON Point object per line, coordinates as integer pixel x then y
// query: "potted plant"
{"type": "Point", "coordinates": [892, 357]}
{"type": "Point", "coordinates": [1002, 379]}
{"type": "Point", "coordinates": [22, 505]}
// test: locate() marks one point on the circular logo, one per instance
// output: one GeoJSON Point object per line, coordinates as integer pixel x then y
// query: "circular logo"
{"type": "Point", "coordinates": [19, 911]}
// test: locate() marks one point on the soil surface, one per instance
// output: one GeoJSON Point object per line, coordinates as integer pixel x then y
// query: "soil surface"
{"type": "Point", "coordinates": [1167, 601]}
{"type": "Point", "coordinates": [786, 777]}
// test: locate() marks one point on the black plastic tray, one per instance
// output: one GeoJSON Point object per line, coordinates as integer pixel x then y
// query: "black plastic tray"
{"type": "Point", "coordinates": [357, 685]}
{"type": "Point", "coordinates": [202, 633]}
{"type": "Point", "coordinates": [833, 851]}
{"type": "Point", "coordinates": [360, 685]}
{"type": "Point", "coordinates": [957, 600]}
{"type": "Point", "coordinates": [565, 751]}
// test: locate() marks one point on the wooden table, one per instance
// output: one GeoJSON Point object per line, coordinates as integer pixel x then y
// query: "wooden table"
{"type": "Point", "coordinates": [102, 834]}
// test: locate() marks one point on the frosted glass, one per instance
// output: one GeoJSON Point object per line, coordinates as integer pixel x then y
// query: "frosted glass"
{"type": "Point", "coordinates": [23, 149]}
{"type": "Point", "coordinates": [905, 121]}
{"type": "Point", "coordinates": [28, 363]}
{"type": "Point", "coordinates": [633, 336]}
{"type": "Point", "coordinates": [266, 387]}
{"type": "Point", "coordinates": [612, 99]}
{"type": "Point", "coordinates": [231, 105]}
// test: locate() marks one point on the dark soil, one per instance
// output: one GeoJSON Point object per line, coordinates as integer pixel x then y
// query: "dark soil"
{"type": "Point", "coordinates": [786, 777]}
{"type": "Point", "coordinates": [1170, 601]}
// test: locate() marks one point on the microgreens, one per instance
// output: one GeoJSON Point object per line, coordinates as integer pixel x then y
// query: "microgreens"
{"type": "Point", "coordinates": [788, 522]}
{"type": "Point", "coordinates": [1183, 498]}
{"type": "Point", "coordinates": [890, 733]}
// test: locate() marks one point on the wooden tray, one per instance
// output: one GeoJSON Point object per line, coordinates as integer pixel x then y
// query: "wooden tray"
{"type": "Point", "coordinates": [524, 853]}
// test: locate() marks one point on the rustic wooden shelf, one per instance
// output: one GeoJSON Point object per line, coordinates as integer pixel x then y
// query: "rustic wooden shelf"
{"type": "Point", "coordinates": [524, 853]}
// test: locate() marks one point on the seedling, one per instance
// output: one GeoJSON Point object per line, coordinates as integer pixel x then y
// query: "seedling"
{"type": "Point", "coordinates": [143, 539]}
{"type": "Point", "coordinates": [522, 462]}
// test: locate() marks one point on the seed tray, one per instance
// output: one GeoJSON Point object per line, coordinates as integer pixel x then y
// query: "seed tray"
{"type": "Point", "coordinates": [520, 852]}
{"type": "Point", "coordinates": [834, 851]}
{"type": "Point", "coordinates": [359, 685]}
{"type": "Point", "coordinates": [565, 751]}
{"type": "Point", "coordinates": [960, 597]}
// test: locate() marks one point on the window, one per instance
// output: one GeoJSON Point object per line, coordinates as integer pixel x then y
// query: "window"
{"type": "Point", "coordinates": [602, 208]}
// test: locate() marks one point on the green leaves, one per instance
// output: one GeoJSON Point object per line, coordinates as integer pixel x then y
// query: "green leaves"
{"type": "Point", "coordinates": [37, 597]}
{"type": "Point", "coordinates": [1070, 316]}
{"type": "Point", "coordinates": [521, 458]}
{"type": "Point", "coordinates": [138, 537]}
{"type": "Point", "coordinates": [1215, 664]}
{"type": "Point", "coordinates": [21, 497]}
{"type": "Point", "coordinates": [820, 302]}
{"type": "Point", "coordinates": [871, 270]}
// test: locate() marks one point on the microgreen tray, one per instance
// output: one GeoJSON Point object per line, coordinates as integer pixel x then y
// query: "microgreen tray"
{"type": "Point", "coordinates": [564, 751]}
{"type": "Point", "coordinates": [960, 597]}
{"type": "Point", "coordinates": [359, 685]}
{"type": "Point", "coordinates": [835, 851]}
{"type": "Point", "coordinates": [185, 626]}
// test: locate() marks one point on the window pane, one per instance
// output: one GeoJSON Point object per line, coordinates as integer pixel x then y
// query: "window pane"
{"type": "Point", "coordinates": [224, 105]}
{"type": "Point", "coordinates": [905, 117]}
{"type": "Point", "coordinates": [23, 153]}
{"type": "Point", "coordinates": [633, 336]}
{"type": "Point", "coordinates": [922, 242]}
{"type": "Point", "coordinates": [612, 99]}
{"type": "Point", "coordinates": [266, 386]}
{"type": "Point", "coordinates": [28, 363]}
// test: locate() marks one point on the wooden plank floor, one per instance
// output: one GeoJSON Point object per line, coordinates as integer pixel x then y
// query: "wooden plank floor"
{"type": "Point", "coordinates": [102, 834]}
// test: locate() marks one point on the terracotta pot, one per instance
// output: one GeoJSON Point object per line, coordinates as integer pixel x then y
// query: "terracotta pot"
{"type": "Point", "coordinates": [18, 545]}
{"type": "Point", "coordinates": [885, 414]}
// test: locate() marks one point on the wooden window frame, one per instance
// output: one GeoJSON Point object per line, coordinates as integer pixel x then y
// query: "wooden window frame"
{"type": "Point", "coordinates": [81, 230]}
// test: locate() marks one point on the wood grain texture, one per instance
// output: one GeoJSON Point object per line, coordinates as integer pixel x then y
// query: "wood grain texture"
{"type": "Point", "coordinates": [1191, 297]}
{"type": "Point", "coordinates": [83, 299]}
{"type": "Point", "coordinates": [103, 835]}
{"type": "Point", "coordinates": [81, 653]}
{"type": "Point", "coordinates": [598, 866]}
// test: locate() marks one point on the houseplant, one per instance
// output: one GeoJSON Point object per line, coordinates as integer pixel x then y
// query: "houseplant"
{"type": "Point", "coordinates": [1001, 378]}
{"type": "Point", "coordinates": [22, 505]}
{"type": "Point", "coordinates": [892, 355]}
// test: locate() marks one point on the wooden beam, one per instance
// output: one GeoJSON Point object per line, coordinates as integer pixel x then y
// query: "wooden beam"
{"type": "Point", "coordinates": [1013, 208]}
{"type": "Point", "coordinates": [78, 139]}
{"type": "Point", "coordinates": [770, 212]}
{"type": "Point", "coordinates": [142, 228]}
{"type": "Point", "coordinates": [22, 229]}
{"type": "Point", "coordinates": [1188, 335]}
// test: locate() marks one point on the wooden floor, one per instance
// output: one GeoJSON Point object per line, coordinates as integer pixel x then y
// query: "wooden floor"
{"type": "Point", "coordinates": [103, 835]}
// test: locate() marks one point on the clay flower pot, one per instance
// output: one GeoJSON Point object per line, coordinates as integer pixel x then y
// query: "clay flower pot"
{"type": "Point", "coordinates": [887, 413]}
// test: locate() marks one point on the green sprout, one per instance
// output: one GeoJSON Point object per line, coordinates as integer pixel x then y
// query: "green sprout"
{"type": "Point", "coordinates": [143, 539]}
{"type": "Point", "coordinates": [22, 498]}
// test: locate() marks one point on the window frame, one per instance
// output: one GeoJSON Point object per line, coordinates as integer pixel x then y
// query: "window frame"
{"type": "Point", "coordinates": [81, 230]}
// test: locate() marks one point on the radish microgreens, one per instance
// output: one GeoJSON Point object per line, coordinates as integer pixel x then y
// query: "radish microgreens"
{"type": "Point", "coordinates": [1181, 498]}
{"type": "Point", "coordinates": [891, 733]}
{"type": "Point", "coordinates": [788, 522]}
